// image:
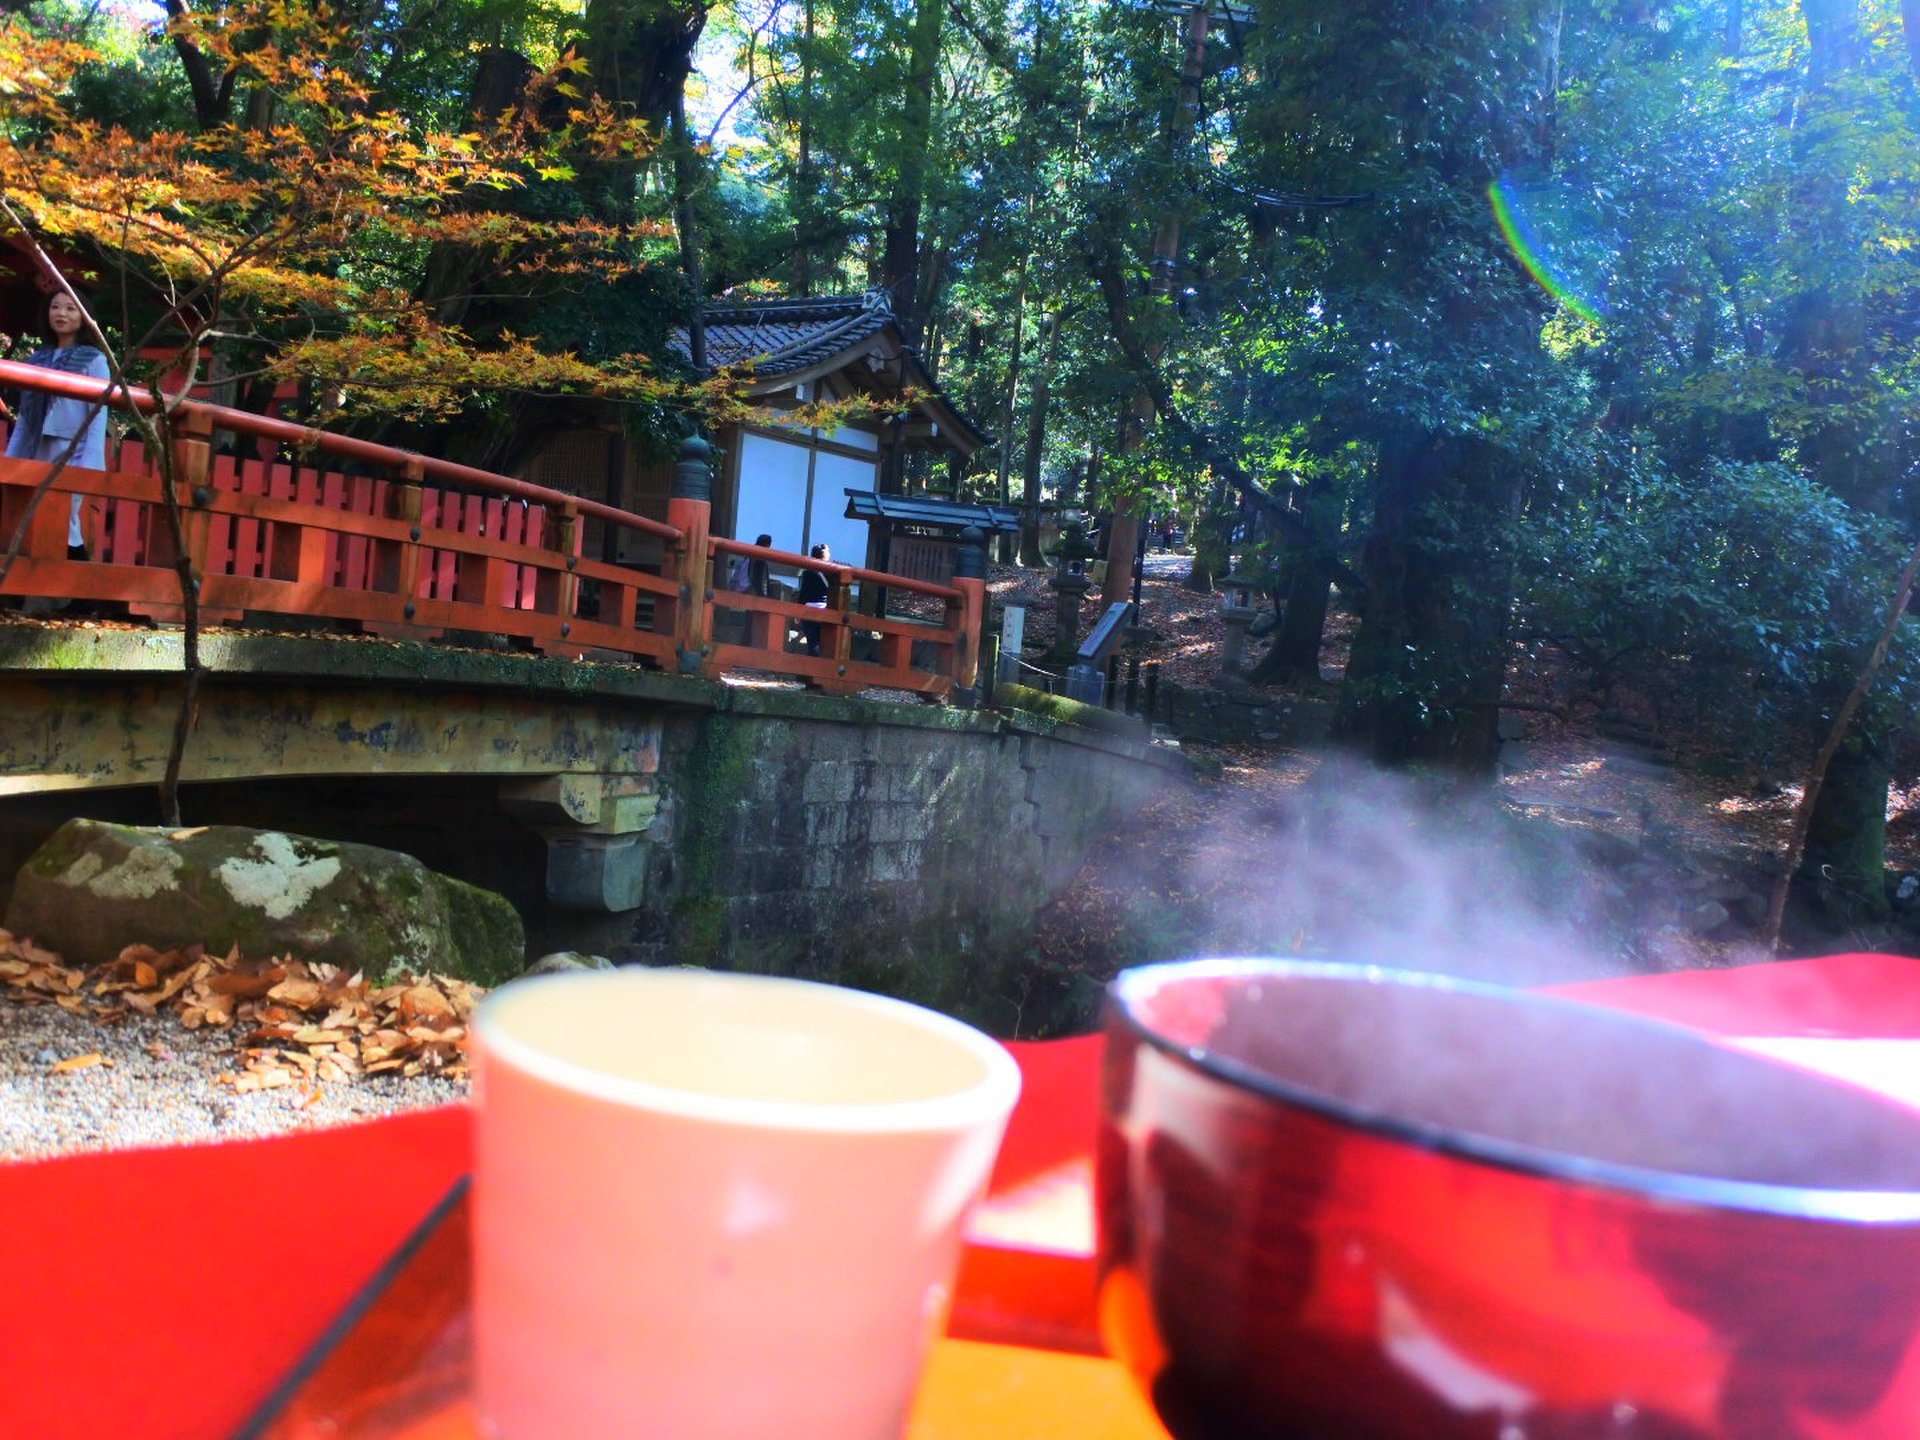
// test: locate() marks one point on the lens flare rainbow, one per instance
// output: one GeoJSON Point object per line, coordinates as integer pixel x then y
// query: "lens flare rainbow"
{"type": "Point", "coordinates": [1530, 249]}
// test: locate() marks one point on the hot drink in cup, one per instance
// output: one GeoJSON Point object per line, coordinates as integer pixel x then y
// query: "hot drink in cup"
{"type": "Point", "coordinates": [718, 1206]}
{"type": "Point", "coordinates": [1339, 1203]}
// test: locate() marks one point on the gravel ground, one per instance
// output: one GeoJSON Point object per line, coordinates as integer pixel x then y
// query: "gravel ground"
{"type": "Point", "coordinates": [162, 1087]}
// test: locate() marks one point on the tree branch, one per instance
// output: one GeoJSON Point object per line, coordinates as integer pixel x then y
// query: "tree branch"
{"type": "Point", "coordinates": [1816, 777]}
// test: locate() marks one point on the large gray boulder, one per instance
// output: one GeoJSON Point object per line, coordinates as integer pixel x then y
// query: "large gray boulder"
{"type": "Point", "coordinates": [568, 962]}
{"type": "Point", "coordinates": [95, 888]}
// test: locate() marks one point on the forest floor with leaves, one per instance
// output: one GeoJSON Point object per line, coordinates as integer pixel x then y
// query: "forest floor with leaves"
{"type": "Point", "coordinates": [1563, 872]}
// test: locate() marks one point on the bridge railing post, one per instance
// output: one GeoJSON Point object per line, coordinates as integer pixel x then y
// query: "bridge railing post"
{"type": "Point", "coordinates": [557, 592]}
{"type": "Point", "coordinates": [192, 450]}
{"type": "Point", "coordinates": [690, 511]}
{"type": "Point", "coordinates": [970, 579]}
{"type": "Point", "coordinates": [840, 606]}
{"type": "Point", "coordinates": [397, 567]}
{"type": "Point", "coordinates": [192, 453]}
{"type": "Point", "coordinates": [394, 568]}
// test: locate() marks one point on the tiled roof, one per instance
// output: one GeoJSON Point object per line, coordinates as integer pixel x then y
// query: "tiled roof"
{"type": "Point", "coordinates": [777, 337]}
{"type": "Point", "coordinates": [930, 510]}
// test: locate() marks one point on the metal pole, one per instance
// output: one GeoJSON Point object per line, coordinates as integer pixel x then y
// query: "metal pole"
{"type": "Point", "coordinates": [1153, 692]}
{"type": "Point", "coordinates": [1133, 684]}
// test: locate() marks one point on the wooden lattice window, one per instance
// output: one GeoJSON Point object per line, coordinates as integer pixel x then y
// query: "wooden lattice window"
{"type": "Point", "coordinates": [575, 462]}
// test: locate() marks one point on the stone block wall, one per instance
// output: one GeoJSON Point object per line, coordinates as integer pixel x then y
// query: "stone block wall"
{"type": "Point", "coordinates": [901, 851]}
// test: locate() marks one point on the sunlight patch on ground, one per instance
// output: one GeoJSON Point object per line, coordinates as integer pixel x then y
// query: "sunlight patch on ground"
{"type": "Point", "coordinates": [1786, 800]}
{"type": "Point", "coordinates": [1259, 769]}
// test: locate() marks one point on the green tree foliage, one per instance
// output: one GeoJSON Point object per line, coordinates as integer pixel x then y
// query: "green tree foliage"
{"type": "Point", "coordinates": [1752, 168]}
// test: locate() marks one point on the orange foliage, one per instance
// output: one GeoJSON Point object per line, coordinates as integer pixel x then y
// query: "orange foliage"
{"type": "Point", "coordinates": [250, 224]}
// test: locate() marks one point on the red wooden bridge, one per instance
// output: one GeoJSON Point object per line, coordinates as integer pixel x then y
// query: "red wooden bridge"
{"type": "Point", "coordinates": [405, 546]}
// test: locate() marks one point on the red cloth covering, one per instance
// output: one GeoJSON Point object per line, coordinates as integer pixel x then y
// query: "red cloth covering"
{"type": "Point", "coordinates": [1856, 996]}
{"type": "Point", "coordinates": [1059, 1107]}
{"type": "Point", "coordinates": [162, 1294]}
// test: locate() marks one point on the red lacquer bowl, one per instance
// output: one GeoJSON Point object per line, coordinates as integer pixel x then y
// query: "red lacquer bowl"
{"type": "Point", "coordinates": [1353, 1204]}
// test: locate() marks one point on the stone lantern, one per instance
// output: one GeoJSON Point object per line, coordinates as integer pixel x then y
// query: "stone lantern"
{"type": "Point", "coordinates": [1237, 593]}
{"type": "Point", "coordinates": [1069, 584]}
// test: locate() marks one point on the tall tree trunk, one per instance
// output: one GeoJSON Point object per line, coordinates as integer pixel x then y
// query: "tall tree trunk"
{"type": "Point", "coordinates": [1424, 681]}
{"type": "Point", "coordinates": [1011, 389]}
{"type": "Point", "coordinates": [1212, 539]}
{"type": "Point", "coordinates": [1841, 878]}
{"type": "Point", "coordinates": [1837, 733]}
{"type": "Point", "coordinates": [1080, 475]}
{"type": "Point", "coordinates": [211, 90]}
{"type": "Point", "coordinates": [1002, 544]}
{"type": "Point", "coordinates": [900, 248]}
{"type": "Point", "coordinates": [804, 199]}
{"type": "Point", "coordinates": [1123, 536]}
{"type": "Point", "coordinates": [453, 269]}
{"type": "Point", "coordinates": [1214, 521]}
{"type": "Point", "coordinates": [1295, 652]}
{"type": "Point", "coordinates": [1030, 555]}
{"type": "Point", "coordinates": [686, 168]}
{"type": "Point", "coordinates": [640, 53]}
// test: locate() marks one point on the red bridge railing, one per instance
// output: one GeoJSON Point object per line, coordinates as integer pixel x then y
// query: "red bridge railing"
{"type": "Point", "coordinates": [410, 547]}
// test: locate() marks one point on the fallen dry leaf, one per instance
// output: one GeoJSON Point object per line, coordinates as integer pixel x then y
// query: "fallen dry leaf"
{"type": "Point", "coordinates": [298, 991]}
{"type": "Point", "coordinates": [250, 984]}
{"type": "Point", "coordinates": [78, 1062]}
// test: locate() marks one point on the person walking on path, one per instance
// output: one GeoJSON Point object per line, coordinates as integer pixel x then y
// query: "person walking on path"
{"type": "Point", "coordinates": [53, 427]}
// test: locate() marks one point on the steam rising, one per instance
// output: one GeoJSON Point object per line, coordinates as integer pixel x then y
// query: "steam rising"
{"type": "Point", "coordinates": [1361, 866]}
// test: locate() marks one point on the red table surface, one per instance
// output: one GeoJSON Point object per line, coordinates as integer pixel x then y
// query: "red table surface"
{"type": "Point", "coordinates": [164, 1293]}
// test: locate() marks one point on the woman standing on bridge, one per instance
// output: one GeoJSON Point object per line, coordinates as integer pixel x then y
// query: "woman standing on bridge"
{"type": "Point", "coordinates": [52, 427]}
